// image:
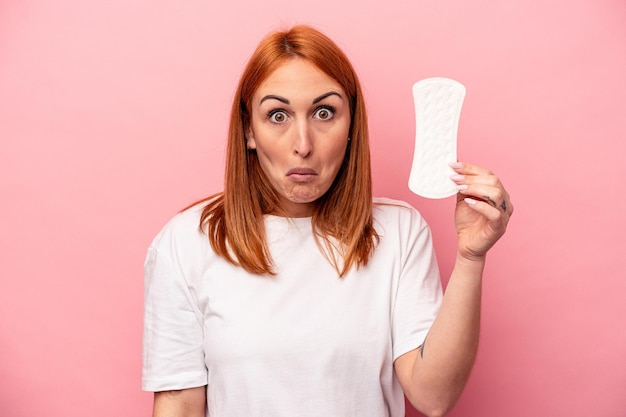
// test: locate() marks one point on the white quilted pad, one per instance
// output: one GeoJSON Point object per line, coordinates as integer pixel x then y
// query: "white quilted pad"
{"type": "Point", "coordinates": [438, 103]}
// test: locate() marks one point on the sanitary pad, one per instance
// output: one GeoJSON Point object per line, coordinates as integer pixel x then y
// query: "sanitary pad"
{"type": "Point", "coordinates": [438, 104]}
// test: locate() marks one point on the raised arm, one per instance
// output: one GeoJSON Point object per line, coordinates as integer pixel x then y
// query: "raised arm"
{"type": "Point", "coordinates": [180, 403]}
{"type": "Point", "coordinates": [434, 375]}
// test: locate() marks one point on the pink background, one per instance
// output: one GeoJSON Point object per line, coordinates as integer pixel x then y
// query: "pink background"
{"type": "Point", "coordinates": [113, 116]}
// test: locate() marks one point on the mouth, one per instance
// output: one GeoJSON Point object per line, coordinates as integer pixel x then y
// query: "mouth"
{"type": "Point", "coordinates": [301, 174]}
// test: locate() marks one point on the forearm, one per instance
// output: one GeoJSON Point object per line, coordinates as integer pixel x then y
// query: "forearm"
{"type": "Point", "coordinates": [440, 369]}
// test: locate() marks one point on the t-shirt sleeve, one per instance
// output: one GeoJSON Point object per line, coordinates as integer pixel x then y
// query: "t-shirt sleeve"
{"type": "Point", "coordinates": [419, 291]}
{"type": "Point", "coordinates": [173, 356]}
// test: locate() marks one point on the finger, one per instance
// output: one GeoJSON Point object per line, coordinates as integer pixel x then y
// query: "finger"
{"type": "Point", "coordinates": [481, 184]}
{"type": "Point", "coordinates": [501, 205]}
{"type": "Point", "coordinates": [473, 174]}
{"type": "Point", "coordinates": [494, 196]}
{"type": "Point", "coordinates": [491, 213]}
{"type": "Point", "coordinates": [485, 180]}
{"type": "Point", "coordinates": [489, 193]}
{"type": "Point", "coordinates": [465, 168]}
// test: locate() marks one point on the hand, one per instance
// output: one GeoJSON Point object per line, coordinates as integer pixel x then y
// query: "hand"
{"type": "Point", "coordinates": [483, 209]}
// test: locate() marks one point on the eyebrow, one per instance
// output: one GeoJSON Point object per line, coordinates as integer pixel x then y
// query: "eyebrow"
{"type": "Point", "coordinates": [315, 100]}
{"type": "Point", "coordinates": [323, 96]}
{"type": "Point", "coordinates": [273, 97]}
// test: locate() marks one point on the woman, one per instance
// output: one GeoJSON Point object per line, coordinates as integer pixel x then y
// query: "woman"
{"type": "Point", "coordinates": [294, 292]}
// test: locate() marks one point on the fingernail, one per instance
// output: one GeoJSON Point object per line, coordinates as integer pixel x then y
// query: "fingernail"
{"type": "Point", "coordinates": [461, 187]}
{"type": "Point", "coordinates": [457, 177]}
{"type": "Point", "coordinates": [456, 165]}
{"type": "Point", "coordinates": [470, 201]}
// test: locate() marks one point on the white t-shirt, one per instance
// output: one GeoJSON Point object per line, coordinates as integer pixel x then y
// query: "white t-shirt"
{"type": "Point", "coordinates": [302, 343]}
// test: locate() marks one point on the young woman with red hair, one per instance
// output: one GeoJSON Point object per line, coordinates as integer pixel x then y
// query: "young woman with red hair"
{"type": "Point", "coordinates": [295, 292]}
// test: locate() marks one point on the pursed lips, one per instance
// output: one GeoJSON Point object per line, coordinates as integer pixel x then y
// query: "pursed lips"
{"type": "Point", "coordinates": [301, 174]}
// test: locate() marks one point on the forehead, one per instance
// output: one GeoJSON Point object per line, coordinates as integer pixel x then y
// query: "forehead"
{"type": "Point", "coordinates": [297, 75]}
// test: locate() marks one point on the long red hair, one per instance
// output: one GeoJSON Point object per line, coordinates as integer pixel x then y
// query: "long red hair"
{"type": "Point", "coordinates": [342, 218]}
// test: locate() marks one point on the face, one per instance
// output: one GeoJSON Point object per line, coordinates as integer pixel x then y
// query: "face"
{"type": "Point", "coordinates": [300, 120]}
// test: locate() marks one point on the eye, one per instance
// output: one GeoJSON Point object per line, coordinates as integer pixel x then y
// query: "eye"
{"type": "Point", "coordinates": [324, 113]}
{"type": "Point", "coordinates": [277, 116]}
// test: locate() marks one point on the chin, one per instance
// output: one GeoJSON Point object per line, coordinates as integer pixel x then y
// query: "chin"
{"type": "Point", "coordinates": [304, 196]}
{"type": "Point", "coordinates": [303, 200]}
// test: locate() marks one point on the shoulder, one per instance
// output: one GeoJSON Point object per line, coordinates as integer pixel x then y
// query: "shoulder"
{"type": "Point", "coordinates": [181, 231]}
{"type": "Point", "coordinates": [396, 219]}
{"type": "Point", "coordinates": [387, 211]}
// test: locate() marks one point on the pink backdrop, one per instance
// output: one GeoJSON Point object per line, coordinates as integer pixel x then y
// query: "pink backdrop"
{"type": "Point", "coordinates": [113, 116]}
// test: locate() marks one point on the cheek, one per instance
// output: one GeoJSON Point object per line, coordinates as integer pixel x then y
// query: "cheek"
{"type": "Point", "coordinates": [271, 158]}
{"type": "Point", "coordinates": [269, 153]}
{"type": "Point", "coordinates": [340, 155]}
{"type": "Point", "coordinates": [339, 152]}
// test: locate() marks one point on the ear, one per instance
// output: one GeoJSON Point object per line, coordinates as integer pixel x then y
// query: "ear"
{"type": "Point", "coordinates": [250, 142]}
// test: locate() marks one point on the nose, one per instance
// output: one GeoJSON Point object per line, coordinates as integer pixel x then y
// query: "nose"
{"type": "Point", "coordinates": [303, 140]}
